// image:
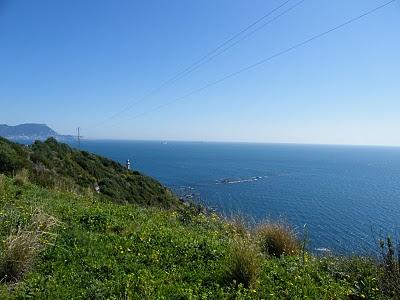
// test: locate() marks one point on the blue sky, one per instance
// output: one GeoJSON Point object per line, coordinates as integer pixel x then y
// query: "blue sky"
{"type": "Point", "coordinates": [78, 63]}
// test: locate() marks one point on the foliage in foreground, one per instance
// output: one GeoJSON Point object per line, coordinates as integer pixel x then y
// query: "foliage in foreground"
{"type": "Point", "coordinates": [23, 244]}
{"type": "Point", "coordinates": [101, 250]}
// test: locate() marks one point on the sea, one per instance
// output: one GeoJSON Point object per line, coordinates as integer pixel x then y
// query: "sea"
{"type": "Point", "coordinates": [341, 199]}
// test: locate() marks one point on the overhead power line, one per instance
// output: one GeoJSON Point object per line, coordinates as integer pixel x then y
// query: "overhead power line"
{"type": "Point", "coordinates": [234, 43]}
{"type": "Point", "coordinates": [269, 58]}
{"type": "Point", "coordinates": [231, 42]}
{"type": "Point", "coordinates": [224, 46]}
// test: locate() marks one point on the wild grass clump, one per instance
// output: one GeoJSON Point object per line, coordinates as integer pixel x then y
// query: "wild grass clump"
{"type": "Point", "coordinates": [277, 239]}
{"type": "Point", "coordinates": [21, 177]}
{"type": "Point", "coordinates": [20, 251]}
{"type": "Point", "coordinates": [238, 225]}
{"type": "Point", "coordinates": [42, 222]}
{"type": "Point", "coordinates": [244, 263]}
{"type": "Point", "coordinates": [67, 185]}
{"type": "Point", "coordinates": [22, 246]}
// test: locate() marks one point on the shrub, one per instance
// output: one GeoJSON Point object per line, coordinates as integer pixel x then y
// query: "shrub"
{"type": "Point", "coordinates": [12, 157]}
{"type": "Point", "coordinates": [244, 263]}
{"type": "Point", "coordinates": [277, 239]}
{"type": "Point", "coordinates": [43, 176]}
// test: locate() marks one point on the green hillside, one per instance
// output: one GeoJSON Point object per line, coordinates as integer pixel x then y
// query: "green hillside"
{"type": "Point", "coordinates": [64, 241]}
{"type": "Point", "coordinates": [55, 165]}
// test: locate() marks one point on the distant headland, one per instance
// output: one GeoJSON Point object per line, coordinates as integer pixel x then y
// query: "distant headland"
{"type": "Point", "coordinates": [31, 132]}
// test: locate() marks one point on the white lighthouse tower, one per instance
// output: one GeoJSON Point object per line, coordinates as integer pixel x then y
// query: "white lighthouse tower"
{"type": "Point", "coordinates": [128, 164]}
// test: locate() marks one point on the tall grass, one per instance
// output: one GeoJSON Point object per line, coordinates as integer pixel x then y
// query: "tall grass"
{"type": "Point", "coordinates": [277, 239]}
{"type": "Point", "coordinates": [23, 244]}
{"type": "Point", "coordinates": [239, 225]}
{"type": "Point", "coordinates": [67, 185]}
{"type": "Point", "coordinates": [20, 251]}
{"type": "Point", "coordinates": [21, 177]}
{"type": "Point", "coordinates": [244, 263]}
{"type": "Point", "coordinates": [249, 244]}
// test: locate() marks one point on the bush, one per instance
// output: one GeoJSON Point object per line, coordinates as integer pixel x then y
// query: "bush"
{"type": "Point", "coordinates": [244, 263]}
{"type": "Point", "coordinates": [277, 239]}
{"type": "Point", "coordinates": [12, 157]}
{"type": "Point", "coordinates": [43, 176]}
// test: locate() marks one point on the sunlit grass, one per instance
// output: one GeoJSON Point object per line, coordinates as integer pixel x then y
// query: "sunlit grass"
{"type": "Point", "coordinates": [79, 246]}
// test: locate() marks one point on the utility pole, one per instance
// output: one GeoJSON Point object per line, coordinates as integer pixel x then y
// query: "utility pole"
{"type": "Point", "coordinates": [79, 138]}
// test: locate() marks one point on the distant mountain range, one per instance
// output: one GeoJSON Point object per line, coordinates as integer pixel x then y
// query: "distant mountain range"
{"type": "Point", "coordinates": [31, 132]}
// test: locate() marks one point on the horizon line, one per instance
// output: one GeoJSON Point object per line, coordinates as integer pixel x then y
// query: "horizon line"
{"type": "Point", "coordinates": [239, 142]}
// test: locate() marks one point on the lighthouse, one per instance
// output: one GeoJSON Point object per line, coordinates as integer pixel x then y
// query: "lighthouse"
{"type": "Point", "coordinates": [128, 164]}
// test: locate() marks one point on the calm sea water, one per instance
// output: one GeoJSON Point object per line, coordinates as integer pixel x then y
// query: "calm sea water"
{"type": "Point", "coordinates": [345, 195]}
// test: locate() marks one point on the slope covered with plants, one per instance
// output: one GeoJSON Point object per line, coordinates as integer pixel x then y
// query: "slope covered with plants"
{"type": "Point", "coordinates": [63, 241]}
{"type": "Point", "coordinates": [56, 165]}
{"type": "Point", "coordinates": [62, 245]}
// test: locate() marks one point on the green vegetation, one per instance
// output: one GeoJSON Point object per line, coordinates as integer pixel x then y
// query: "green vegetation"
{"type": "Point", "coordinates": [73, 244]}
{"type": "Point", "coordinates": [58, 166]}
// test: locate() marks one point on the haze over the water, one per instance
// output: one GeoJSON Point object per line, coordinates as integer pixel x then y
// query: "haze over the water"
{"type": "Point", "coordinates": [81, 63]}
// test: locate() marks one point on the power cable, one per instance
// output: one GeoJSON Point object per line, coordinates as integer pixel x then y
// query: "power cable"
{"type": "Point", "coordinates": [209, 56]}
{"type": "Point", "coordinates": [265, 60]}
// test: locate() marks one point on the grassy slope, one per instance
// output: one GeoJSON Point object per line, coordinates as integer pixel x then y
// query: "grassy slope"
{"type": "Point", "coordinates": [108, 250]}
{"type": "Point", "coordinates": [137, 240]}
